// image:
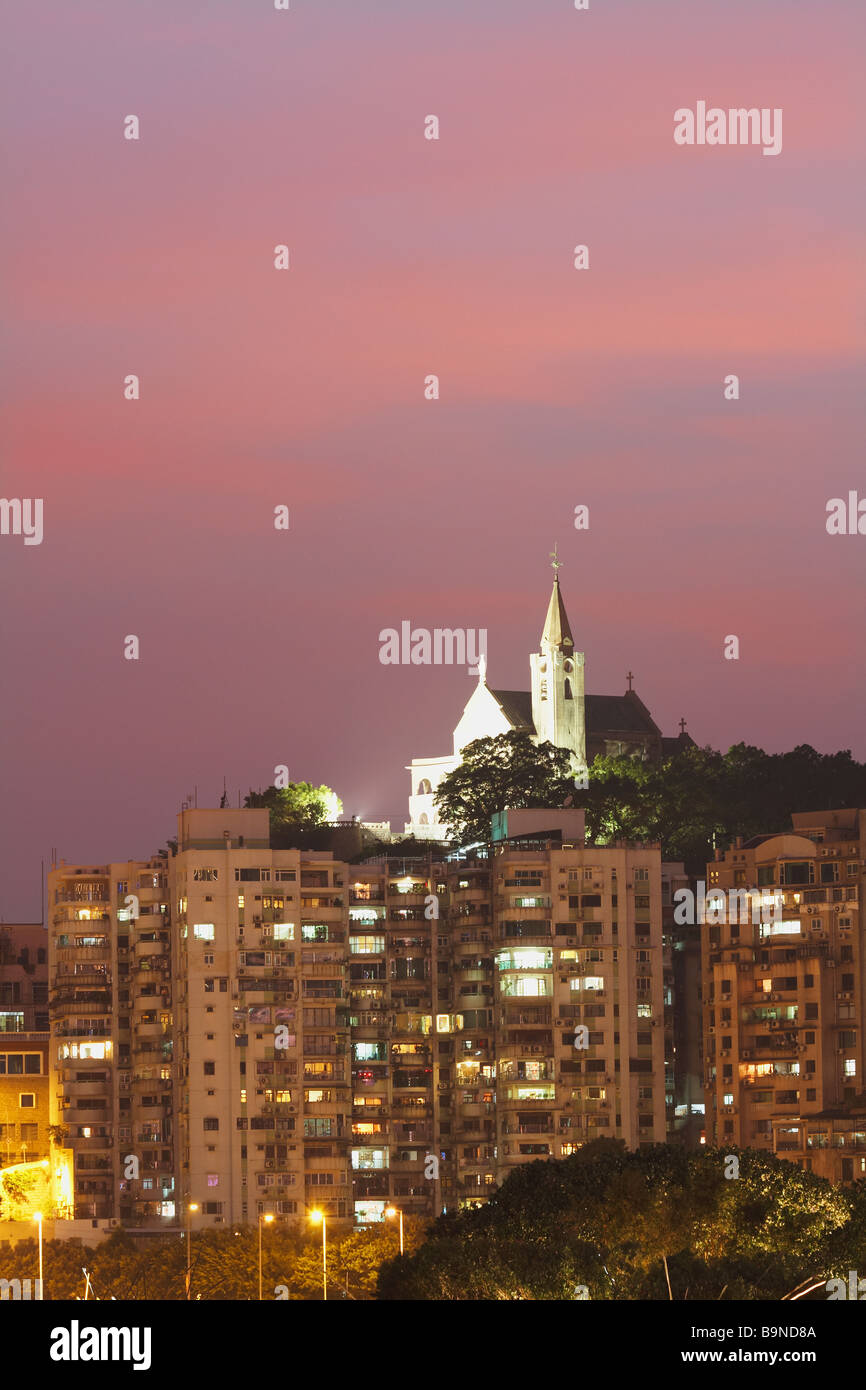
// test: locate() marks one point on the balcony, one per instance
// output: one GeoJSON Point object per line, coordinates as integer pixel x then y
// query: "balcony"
{"type": "Point", "coordinates": [523, 1104]}
{"type": "Point", "coordinates": [84, 899]}
{"type": "Point", "coordinates": [150, 943]}
{"type": "Point", "coordinates": [91, 1003]}
{"type": "Point", "coordinates": [549, 1130]}
{"type": "Point", "coordinates": [153, 1031]}
{"type": "Point", "coordinates": [82, 953]}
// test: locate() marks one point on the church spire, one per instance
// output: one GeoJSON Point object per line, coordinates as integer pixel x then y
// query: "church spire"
{"type": "Point", "coordinates": [557, 633]}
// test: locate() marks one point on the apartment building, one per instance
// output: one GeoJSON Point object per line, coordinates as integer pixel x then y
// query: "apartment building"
{"type": "Point", "coordinates": [112, 1047]}
{"type": "Point", "coordinates": [24, 1081]}
{"type": "Point", "coordinates": [683, 1013]}
{"type": "Point", "coordinates": [577, 943]}
{"type": "Point", "coordinates": [784, 996]}
{"type": "Point", "coordinates": [263, 1029]}
{"type": "Point", "coordinates": [469, 981]}
{"type": "Point", "coordinates": [242, 1030]}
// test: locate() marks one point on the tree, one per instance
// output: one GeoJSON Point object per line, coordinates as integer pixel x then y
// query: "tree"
{"type": "Point", "coordinates": [658, 1223]}
{"type": "Point", "coordinates": [699, 799]}
{"type": "Point", "coordinates": [300, 805]}
{"type": "Point", "coordinates": [509, 770]}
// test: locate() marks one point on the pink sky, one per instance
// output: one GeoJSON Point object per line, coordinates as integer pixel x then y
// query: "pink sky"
{"type": "Point", "coordinates": [412, 257]}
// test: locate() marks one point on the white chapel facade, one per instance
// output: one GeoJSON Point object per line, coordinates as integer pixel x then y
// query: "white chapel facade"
{"type": "Point", "coordinates": [554, 710]}
{"type": "Point", "coordinates": [552, 713]}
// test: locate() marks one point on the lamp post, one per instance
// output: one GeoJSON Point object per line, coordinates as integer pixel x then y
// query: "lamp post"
{"type": "Point", "coordinates": [37, 1217]}
{"type": "Point", "coordinates": [190, 1208]}
{"type": "Point", "coordinates": [316, 1217]}
{"type": "Point", "coordinates": [394, 1211]}
{"type": "Point", "coordinates": [268, 1218]}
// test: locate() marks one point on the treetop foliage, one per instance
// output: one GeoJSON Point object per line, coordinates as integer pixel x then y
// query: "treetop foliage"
{"type": "Point", "coordinates": [610, 1220]}
{"type": "Point", "coordinates": [690, 803]}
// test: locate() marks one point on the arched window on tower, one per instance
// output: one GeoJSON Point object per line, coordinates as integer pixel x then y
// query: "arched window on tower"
{"type": "Point", "coordinates": [568, 694]}
{"type": "Point", "coordinates": [422, 819]}
{"type": "Point", "coordinates": [424, 788]}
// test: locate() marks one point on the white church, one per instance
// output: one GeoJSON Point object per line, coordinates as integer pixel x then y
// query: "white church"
{"type": "Point", "coordinates": [554, 710]}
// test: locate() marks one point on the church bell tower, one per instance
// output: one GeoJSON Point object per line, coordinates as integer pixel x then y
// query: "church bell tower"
{"type": "Point", "coordinates": [558, 683]}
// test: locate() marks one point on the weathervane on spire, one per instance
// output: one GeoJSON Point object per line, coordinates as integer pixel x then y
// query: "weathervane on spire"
{"type": "Point", "coordinates": [555, 562]}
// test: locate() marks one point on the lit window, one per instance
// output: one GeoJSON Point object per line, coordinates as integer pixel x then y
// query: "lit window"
{"type": "Point", "coordinates": [203, 931]}
{"type": "Point", "coordinates": [369, 1158]}
{"type": "Point", "coordinates": [525, 959]}
{"type": "Point", "coordinates": [366, 945]}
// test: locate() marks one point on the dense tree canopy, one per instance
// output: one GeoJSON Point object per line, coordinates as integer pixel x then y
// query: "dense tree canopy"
{"type": "Point", "coordinates": [509, 770]}
{"type": "Point", "coordinates": [299, 806]}
{"type": "Point", "coordinates": [699, 798]}
{"type": "Point", "coordinates": [690, 803]}
{"type": "Point", "coordinates": [224, 1263]}
{"type": "Point", "coordinates": [620, 1224]}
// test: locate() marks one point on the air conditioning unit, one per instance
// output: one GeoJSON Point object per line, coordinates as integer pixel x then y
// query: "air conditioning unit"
{"type": "Point", "coordinates": [558, 1023]}
{"type": "Point", "coordinates": [269, 1163]}
{"type": "Point", "coordinates": [746, 1052]}
{"type": "Point", "coordinates": [292, 1109]}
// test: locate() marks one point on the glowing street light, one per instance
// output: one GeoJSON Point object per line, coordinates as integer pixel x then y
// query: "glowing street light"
{"type": "Point", "coordinates": [393, 1211]}
{"type": "Point", "coordinates": [267, 1217]}
{"type": "Point", "coordinates": [317, 1216]}
{"type": "Point", "coordinates": [191, 1207]}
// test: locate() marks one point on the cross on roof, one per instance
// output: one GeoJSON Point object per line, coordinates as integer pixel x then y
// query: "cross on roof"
{"type": "Point", "coordinates": [555, 562]}
{"type": "Point", "coordinates": [630, 678]}
{"type": "Point", "coordinates": [682, 726]}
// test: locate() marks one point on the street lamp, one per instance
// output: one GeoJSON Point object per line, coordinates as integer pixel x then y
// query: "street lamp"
{"type": "Point", "coordinates": [37, 1217]}
{"type": "Point", "coordinates": [317, 1216]}
{"type": "Point", "coordinates": [393, 1211]}
{"type": "Point", "coordinates": [190, 1208]}
{"type": "Point", "coordinates": [268, 1218]}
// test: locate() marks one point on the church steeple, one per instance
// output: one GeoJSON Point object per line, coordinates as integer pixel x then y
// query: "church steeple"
{"type": "Point", "coordinates": [557, 681]}
{"type": "Point", "coordinates": [557, 633]}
